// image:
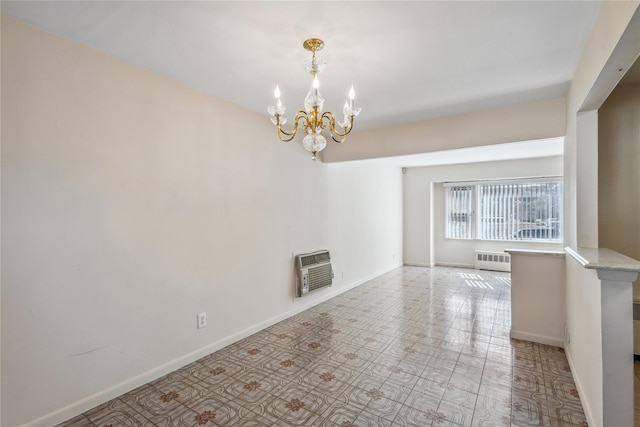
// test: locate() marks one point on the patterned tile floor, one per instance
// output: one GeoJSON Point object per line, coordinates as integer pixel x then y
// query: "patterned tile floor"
{"type": "Point", "coordinates": [414, 347]}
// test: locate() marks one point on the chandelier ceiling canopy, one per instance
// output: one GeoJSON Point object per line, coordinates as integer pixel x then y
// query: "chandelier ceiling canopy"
{"type": "Point", "coordinates": [314, 121]}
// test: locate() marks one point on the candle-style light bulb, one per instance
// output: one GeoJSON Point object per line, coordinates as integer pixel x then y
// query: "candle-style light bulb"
{"type": "Point", "coordinates": [352, 95]}
{"type": "Point", "coordinates": [347, 112]}
{"type": "Point", "coordinates": [276, 93]}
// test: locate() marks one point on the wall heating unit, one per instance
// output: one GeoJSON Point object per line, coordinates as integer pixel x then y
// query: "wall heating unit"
{"type": "Point", "coordinates": [313, 271]}
{"type": "Point", "coordinates": [496, 261]}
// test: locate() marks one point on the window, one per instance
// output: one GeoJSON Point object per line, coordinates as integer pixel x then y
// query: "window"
{"type": "Point", "coordinates": [459, 212]}
{"type": "Point", "coordinates": [505, 210]}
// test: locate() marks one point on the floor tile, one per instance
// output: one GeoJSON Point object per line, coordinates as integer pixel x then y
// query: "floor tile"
{"type": "Point", "coordinates": [341, 416]}
{"type": "Point", "coordinates": [455, 413]}
{"type": "Point", "coordinates": [79, 421]}
{"type": "Point", "coordinates": [116, 412]}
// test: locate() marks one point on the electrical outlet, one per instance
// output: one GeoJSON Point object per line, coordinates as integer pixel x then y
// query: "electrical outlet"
{"type": "Point", "coordinates": [202, 320]}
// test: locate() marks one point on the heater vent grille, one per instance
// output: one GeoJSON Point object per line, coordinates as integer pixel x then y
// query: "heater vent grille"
{"type": "Point", "coordinates": [497, 261]}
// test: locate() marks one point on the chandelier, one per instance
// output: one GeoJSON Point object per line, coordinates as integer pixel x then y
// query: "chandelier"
{"type": "Point", "coordinates": [313, 120]}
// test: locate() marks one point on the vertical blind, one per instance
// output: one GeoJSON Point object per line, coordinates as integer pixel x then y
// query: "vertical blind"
{"type": "Point", "coordinates": [505, 211]}
{"type": "Point", "coordinates": [459, 212]}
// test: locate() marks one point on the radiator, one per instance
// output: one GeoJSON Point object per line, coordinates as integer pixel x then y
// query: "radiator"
{"type": "Point", "coordinates": [497, 261]}
{"type": "Point", "coordinates": [313, 271]}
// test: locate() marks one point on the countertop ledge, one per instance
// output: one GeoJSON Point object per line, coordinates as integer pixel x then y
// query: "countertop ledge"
{"type": "Point", "coordinates": [603, 259]}
{"type": "Point", "coordinates": [532, 252]}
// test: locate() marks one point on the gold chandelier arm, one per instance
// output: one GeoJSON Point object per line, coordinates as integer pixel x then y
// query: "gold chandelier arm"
{"type": "Point", "coordinates": [288, 136]}
{"type": "Point", "coordinates": [332, 127]}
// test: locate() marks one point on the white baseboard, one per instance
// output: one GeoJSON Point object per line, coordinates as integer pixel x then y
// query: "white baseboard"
{"type": "Point", "coordinates": [455, 264]}
{"type": "Point", "coordinates": [540, 339]}
{"type": "Point", "coordinates": [417, 264]}
{"type": "Point", "coordinates": [99, 398]}
{"type": "Point", "coordinates": [588, 412]}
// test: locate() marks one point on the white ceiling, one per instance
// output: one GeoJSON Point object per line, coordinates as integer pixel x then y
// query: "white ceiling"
{"type": "Point", "coordinates": [407, 60]}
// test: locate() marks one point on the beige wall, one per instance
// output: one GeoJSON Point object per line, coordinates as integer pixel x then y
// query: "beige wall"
{"type": "Point", "coordinates": [538, 297]}
{"type": "Point", "coordinates": [619, 171]}
{"type": "Point", "coordinates": [524, 122]}
{"type": "Point", "coordinates": [130, 203]}
{"type": "Point", "coordinates": [365, 217]}
{"type": "Point", "coordinates": [584, 331]}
